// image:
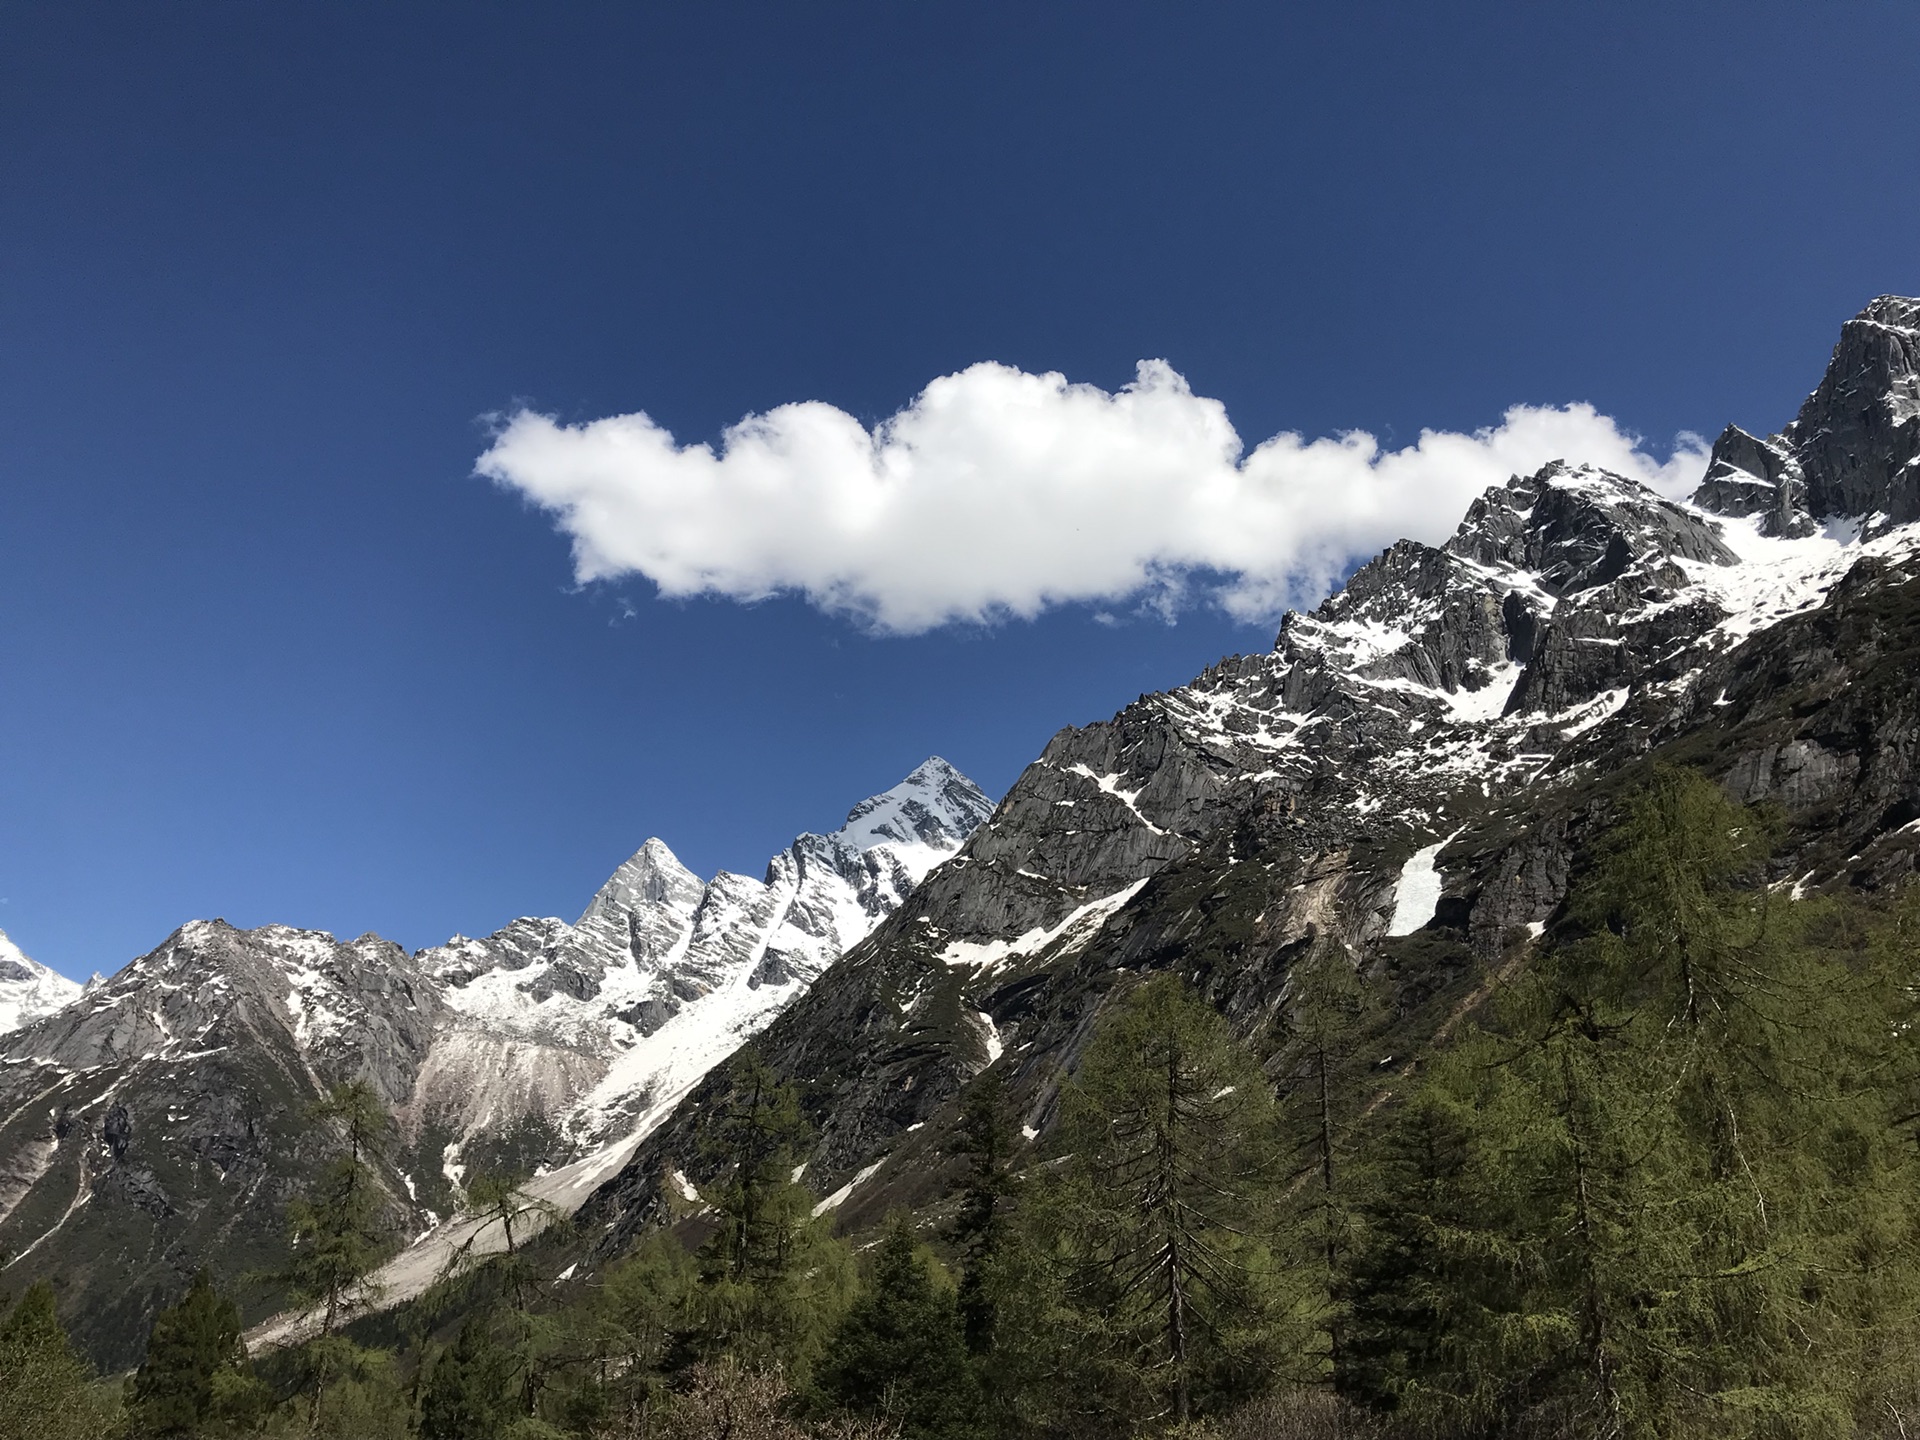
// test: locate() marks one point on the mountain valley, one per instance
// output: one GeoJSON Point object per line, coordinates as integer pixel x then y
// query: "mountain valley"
{"type": "Point", "coordinates": [1403, 786]}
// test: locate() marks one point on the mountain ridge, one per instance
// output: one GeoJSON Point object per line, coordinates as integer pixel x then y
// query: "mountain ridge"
{"type": "Point", "coordinates": [1455, 716]}
{"type": "Point", "coordinates": [1405, 782]}
{"type": "Point", "coordinates": [155, 1120]}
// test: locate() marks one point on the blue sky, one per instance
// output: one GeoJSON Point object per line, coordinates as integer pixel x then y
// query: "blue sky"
{"type": "Point", "coordinates": [269, 649]}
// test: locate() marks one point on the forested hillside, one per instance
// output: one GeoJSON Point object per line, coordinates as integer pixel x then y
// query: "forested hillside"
{"type": "Point", "coordinates": [1664, 1182]}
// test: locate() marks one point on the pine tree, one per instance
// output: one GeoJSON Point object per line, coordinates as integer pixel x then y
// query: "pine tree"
{"type": "Point", "coordinates": [497, 1203]}
{"type": "Point", "coordinates": [1677, 1197]}
{"type": "Point", "coordinates": [192, 1348]}
{"type": "Point", "coordinates": [1169, 1126]}
{"type": "Point", "coordinates": [772, 1284]}
{"type": "Point", "coordinates": [1324, 1064]}
{"type": "Point", "coordinates": [760, 1135]}
{"type": "Point", "coordinates": [469, 1392]}
{"type": "Point", "coordinates": [45, 1388]}
{"type": "Point", "coordinates": [628, 1327]}
{"type": "Point", "coordinates": [366, 1398]}
{"type": "Point", "coordinates": [981, 1226]}
{"type": "Point", "coordinates": [1428, 1271]}
{"type": "Point", "coordinates": [900, 1354]}
{"type": "Point", "coordinates": [338, 1234]}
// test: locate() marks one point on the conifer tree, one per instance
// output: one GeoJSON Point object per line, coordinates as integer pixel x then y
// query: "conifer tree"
{"type": "Point", "coordinates": [338, 1234]}
{"type": "Point", "coordinates": [981, 1225]}
{"type": "Point", "coordinates": [628, 1326]}
{"type": "Point", "coordinates": [34, 1319]}
{"type": "Point", "coordinates": [195, 1355]}
{"type": "Point", "coordinates": [1169, 1127]}
{"type": "Point", "coordinates": [469, 1392]}
{"type": "Point", "coordinates": [1323, 1062]}
{"type": "Point", "coordinates": [1425, 1273]}
{"type": "Point", "coordinates": [760, 1134]}
{"type": "Point", "coordinates": [499, 1204]}
{"type": "Point", "coordinates": [771, 1282]}
{"type": "Point", "coordinates": [45, 1388]}
{"type": "Point", "coordinates": [1684, 1191]}
{"type": "Point", "coordinates": [900, 1354]}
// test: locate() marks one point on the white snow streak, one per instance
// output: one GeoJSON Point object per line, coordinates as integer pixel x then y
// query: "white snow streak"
{"type": "Point", "coordinates": [1417, 896]}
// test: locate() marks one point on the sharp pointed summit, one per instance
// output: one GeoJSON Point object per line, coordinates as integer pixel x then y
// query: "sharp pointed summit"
{"type": "Point", "coordinates": [180, 1081]}
{"type": "Point", "coordinates": [28, 989]}
{"type": "Point", "coordinates": [1852, 453]}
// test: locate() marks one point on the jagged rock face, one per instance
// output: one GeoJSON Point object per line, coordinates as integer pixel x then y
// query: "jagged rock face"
{"type": "Point", "coordinates": [1747, 476]}
{"type": "Point", "coordinates": [361, 1007]}
{"type": "Point", "coordinates": [1406, 777]}
{"type": "Point", "coordinates": [1854, 450]}
{"type": "Point", "coordinates": [663, 975]}
{"type": "Point", "coordinates": [28, 989]}
{"type": "Point", "coordinates": [157, 1122]}
{"type": "Point", "coordinates": [1856, 438]}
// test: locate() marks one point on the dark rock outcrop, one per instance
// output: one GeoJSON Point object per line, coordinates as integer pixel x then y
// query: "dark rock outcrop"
{"type": "Point", "coordinates": [1854, 449]}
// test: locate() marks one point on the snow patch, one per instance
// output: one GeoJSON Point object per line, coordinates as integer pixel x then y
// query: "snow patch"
{"type": "Point", "coordinates": [29, 991]}
{"type": "Point", "coordinates": [1417, 897]}
{"type": "Point", "coordinates": [989, 1036]}
{"type": "Point", "coordinates": [1076, 930]}
{"type": "Point", "coordinates": [839, 1197]}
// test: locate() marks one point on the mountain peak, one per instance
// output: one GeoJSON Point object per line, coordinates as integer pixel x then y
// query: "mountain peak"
{"type": "Point", "coordinates": [1896, 311]}
{"type": "Point", "coordinates": [652, 875]}
{"type": "Point", "coordinates": [28, 989]}
{"type": "Point", "coordinates": [935, 807]}
{"type": "Point", "coordinates": [1854, 449]}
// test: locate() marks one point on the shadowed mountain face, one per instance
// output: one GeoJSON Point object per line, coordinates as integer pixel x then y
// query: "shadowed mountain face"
{"type": "Point", "coordinates": [1406, 777]}
{"type": "Point", "coordinates": [155, 1122]}
{"type": "Point", "coordinates": [1854, 449]}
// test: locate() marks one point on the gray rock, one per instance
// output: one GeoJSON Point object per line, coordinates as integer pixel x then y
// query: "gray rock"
{"type": "Point", "coordinates": [1487, 699]}
{"type": "Point", "coordinates": [1854, 449]}
{"type": "Point", "coordinates": [1857, 438]}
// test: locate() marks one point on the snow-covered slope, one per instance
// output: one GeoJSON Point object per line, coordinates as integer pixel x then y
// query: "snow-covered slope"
{"type": "Point", "coordinates": [173, 1096]}
{"type": "Point", "coordinates": [662, 976]}
{"type": "Point", "coordinates": [599, 1028]}
{"type": "Point", "coordinates": [28, 989]}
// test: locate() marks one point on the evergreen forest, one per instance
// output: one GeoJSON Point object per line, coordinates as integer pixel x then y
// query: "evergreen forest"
{"type": "Point", "coordinates": [1661, 1180]}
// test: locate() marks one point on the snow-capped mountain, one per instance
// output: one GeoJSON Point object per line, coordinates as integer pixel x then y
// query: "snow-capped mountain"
{"type": "Point", "coordinates": [662, 976]}
{"type": "Point", "coordinates": [1403, 782]}
{"type": "Point", "coordinates": [1405, 777]}
{"type": "Point", "coordinates": [157, 1118]}
{"type": "Point", "coordinates": [28, 989]}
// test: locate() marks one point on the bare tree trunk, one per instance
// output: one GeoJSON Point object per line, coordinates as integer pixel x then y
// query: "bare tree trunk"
{"type": "Point", "coordinates": [1603, 1368]}
{"type": "Point", "coordinates": [1329, 1244]}
{"type": "Point", "coordinates": [1176, 1292]}
{"type": "Point", "coordinates": [1177, 1330]}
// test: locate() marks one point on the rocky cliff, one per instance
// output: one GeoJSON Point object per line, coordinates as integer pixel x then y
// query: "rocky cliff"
{"type": "Point", "coordinates": [1406, 777]}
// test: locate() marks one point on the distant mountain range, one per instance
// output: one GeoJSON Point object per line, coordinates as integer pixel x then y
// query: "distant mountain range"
{"type": "Point", "coordinates": [154, 1120]}
{"type": "Point", "coordinates": [1405, 782]}
{"type": "Point", "coordinates": [28, 989]}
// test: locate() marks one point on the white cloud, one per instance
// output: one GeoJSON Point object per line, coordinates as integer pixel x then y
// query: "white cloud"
{"type": "Point", "coordinates": [997, 493]}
